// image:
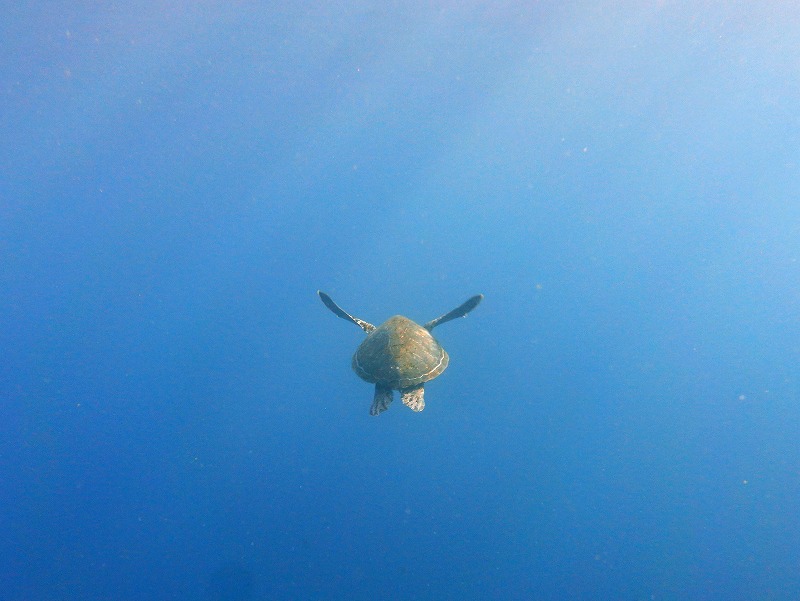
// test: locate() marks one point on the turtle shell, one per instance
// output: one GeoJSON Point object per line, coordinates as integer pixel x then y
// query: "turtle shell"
{"type": "Point", "coordinates": [399, 353]}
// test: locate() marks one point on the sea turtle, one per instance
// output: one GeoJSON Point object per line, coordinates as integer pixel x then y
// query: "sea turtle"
{"type": "Point", "coordinates": [399, 354]}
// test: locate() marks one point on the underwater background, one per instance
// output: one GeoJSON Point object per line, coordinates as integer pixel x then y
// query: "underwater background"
{"type": "Point", "coordinates": [621, 414]}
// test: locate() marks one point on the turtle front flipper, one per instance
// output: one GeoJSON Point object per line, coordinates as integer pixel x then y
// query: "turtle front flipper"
{"type": "Point", "coordinates": [459, 311]}
{"type": "Point", "coordinates": [337, 310]}
{"type": "Point", "coordinates": [413, 397]}
{"type": "Point", "coordinates": [383, 396]}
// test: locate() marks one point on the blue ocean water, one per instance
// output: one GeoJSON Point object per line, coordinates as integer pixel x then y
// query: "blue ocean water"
{"type": "Point", "coordinates": [178, 416]}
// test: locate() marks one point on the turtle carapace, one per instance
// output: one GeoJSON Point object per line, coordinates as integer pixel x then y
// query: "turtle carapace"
{"type": "Point", "coordinates": [400, 354]}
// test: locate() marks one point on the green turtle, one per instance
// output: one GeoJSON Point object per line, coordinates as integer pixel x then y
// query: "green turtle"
{"type": "Point", "coordinates": [399, 354]}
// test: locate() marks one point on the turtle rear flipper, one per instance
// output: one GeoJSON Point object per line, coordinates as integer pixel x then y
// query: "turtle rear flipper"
{"type": "Point", "coordinates": [413, 397]}
{"type": "Point", "coordinates": [459, 311]}
{"type": "Point", "coordinates": [380, 403]}
{"type": "Point", "coordinates": [337, 310]}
